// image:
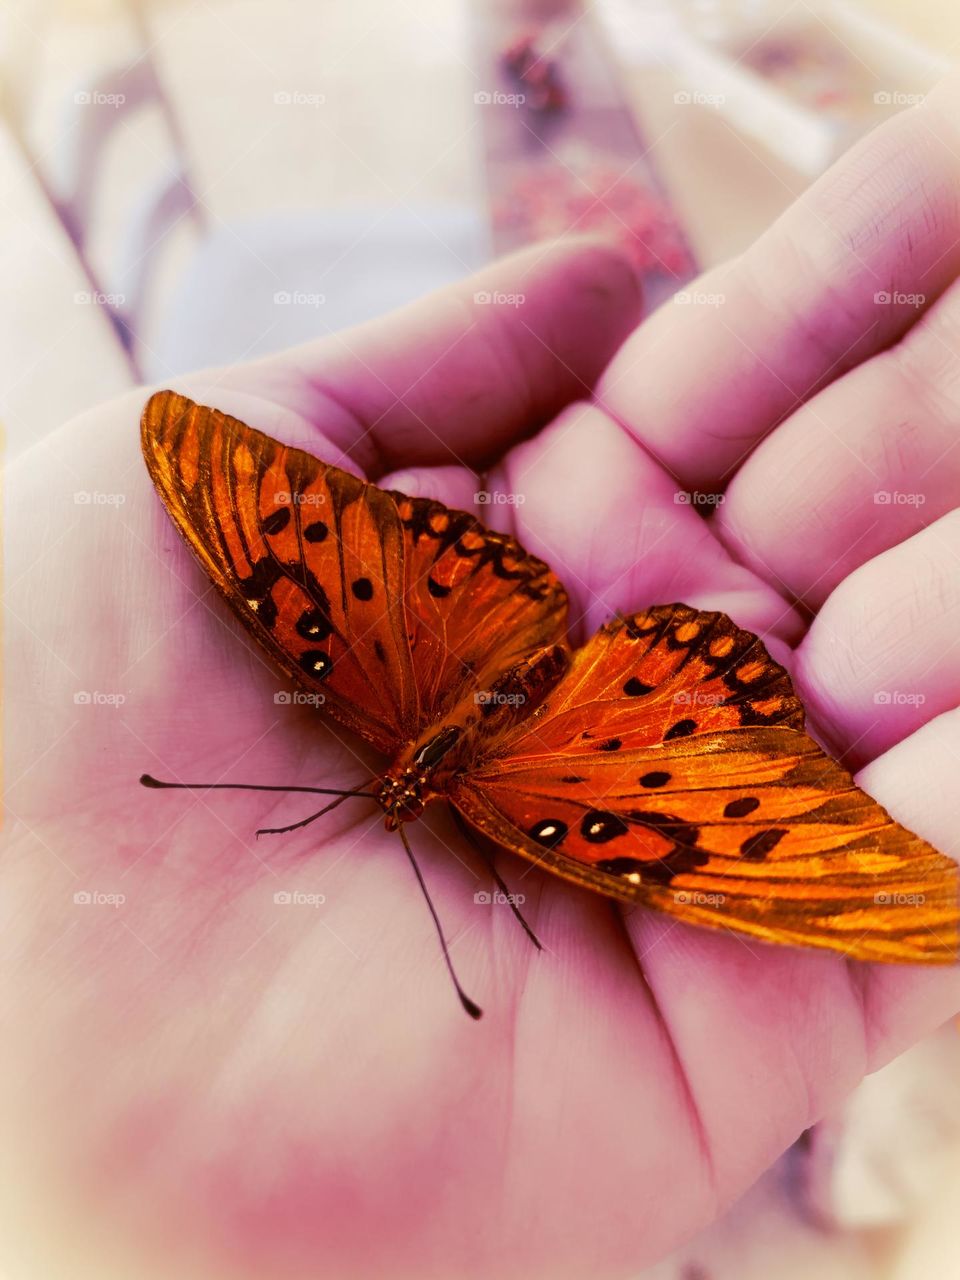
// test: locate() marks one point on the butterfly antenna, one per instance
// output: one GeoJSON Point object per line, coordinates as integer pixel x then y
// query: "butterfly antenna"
{"type": "Point", "coordinates": [473, 1009]}
{"type": "Point", "coordinates": [147, 781]}
{"type": "Point", "coordinates": [305, 822]}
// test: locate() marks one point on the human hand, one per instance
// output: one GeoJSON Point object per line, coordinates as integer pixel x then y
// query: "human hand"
{"type": "Point", "coordinates": [293, 1085]}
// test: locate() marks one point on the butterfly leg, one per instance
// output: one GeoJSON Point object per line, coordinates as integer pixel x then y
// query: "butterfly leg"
{"type": "Point", "coordinates": [498, 879]}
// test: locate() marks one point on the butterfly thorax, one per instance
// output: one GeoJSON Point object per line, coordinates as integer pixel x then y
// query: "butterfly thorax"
{"type": "Point", "coordinates": [424, 769]}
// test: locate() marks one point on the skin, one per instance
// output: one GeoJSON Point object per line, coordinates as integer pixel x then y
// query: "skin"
{"type": "Point", "coordinates": [200, 1080]}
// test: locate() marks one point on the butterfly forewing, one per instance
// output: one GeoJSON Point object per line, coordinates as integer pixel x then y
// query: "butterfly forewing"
{"type": "Point", "coordinates": [357, 593]}
{"type": "Point", "coordinates": [735, 820]}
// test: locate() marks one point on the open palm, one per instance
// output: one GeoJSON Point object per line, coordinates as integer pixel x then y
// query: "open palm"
{"type": "Point", "coordinates": [239, 1057]}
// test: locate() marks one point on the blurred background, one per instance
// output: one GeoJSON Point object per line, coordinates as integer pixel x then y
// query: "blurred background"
{"type": "Point", "coordinates": [188, 182]}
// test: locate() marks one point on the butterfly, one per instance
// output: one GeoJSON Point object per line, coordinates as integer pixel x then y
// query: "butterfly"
{"type": "Point", "coordinates": [664, 763]}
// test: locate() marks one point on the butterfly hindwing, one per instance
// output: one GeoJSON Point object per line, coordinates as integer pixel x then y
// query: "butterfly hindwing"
{"type": "Point", "coordinates": [358, 594]}
{"type": "Point", "coordinates": [737, 819]}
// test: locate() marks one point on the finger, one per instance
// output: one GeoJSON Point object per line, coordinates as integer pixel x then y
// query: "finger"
{"type": "Point", "coordinates": [916, 781]}
{"type": "Point", "coordinates": [867, 463]}
{"type": "Point", "coordinates": [700, 384]}
{"type": "Point", "coordinates": [458, 376]}
{"type": "Point", "coordinates": [453, 486]}
{"type": "Point", "coordinates": [616, 529]}
{"type": "Point", "coordinates": [883, 655]}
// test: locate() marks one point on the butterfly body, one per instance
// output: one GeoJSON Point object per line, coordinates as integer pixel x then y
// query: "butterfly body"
{"type": "Point", "coordinates": [663, 763]}
{"type": "Point", "coordinates": [427, 767]}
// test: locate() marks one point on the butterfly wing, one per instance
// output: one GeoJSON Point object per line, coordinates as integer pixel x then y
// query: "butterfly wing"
{"type": "Point", "coordinates": [670, 768]}
{"type": "Point", "coordinates": [358, 594]}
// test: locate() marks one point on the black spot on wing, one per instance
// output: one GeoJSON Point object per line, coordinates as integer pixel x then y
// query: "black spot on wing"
{"type": "Point", "coordinates": [549, 832]}
{"type": "Point", "coordinates": [276, 521]}
{"type": "Point", "coordinates": [741, 808]}
{"type": "Point", "coordinates": [682, 729]}
{"type": "Point", "coordinates": [314, 624]}
{"type": "Point", "coordinates": [635, 688]}
{"type": "Point", "coordinates": [316, 663]}
{"type": "Point", "coordinates": [756, 847]}
{"type": "Point", "coordinates": [599, 826]}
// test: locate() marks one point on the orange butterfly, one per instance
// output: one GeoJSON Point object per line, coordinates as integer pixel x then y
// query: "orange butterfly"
{"type": "Point", "coordinates": [664, 763]}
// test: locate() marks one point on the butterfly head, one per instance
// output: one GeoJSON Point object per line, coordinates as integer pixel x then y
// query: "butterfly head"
{"type": "Point", "coordinates": [401, 797]}
{"type": "Point", "coordinates": [405, 791]}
